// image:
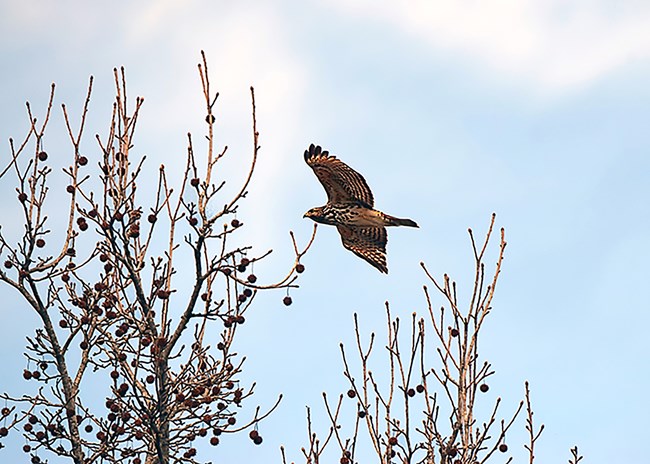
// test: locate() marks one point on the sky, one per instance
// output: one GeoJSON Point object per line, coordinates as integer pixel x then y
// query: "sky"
{"type": "Point", "coordinates": [452, 110]}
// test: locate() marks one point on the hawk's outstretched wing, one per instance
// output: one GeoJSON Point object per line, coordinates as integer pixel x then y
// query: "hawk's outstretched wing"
{"type": "Point", "coordinates": [342, 183]}
{"type": "Point", "coordinates": [368, 243]}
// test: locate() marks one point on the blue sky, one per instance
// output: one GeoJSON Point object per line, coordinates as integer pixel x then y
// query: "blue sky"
{"type": "Point", "coordinates": [535, 110]}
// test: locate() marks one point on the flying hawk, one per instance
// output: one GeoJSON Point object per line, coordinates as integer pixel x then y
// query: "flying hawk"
{"type": "Point", "coordinates": [350, 208]}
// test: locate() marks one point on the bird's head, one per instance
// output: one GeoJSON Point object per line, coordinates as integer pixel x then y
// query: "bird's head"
{"type": "Point", "coordinates": [315, 214]}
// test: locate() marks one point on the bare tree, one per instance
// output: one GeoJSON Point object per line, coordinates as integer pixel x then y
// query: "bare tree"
{"type": "Point", "coordinates": [411, 412]}
{"type": "Point", "coordinates": [111, 317]}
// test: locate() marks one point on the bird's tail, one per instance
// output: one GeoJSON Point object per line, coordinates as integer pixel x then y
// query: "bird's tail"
{"type": "Point", "coordinates": [394, 221]}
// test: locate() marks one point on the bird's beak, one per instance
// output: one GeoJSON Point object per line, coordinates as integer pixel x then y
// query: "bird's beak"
{"type": "Point", "coordinates": [304, 215]}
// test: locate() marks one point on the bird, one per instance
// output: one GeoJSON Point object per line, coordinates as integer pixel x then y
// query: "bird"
{"type": "Point", "coordinates": [350, 207]}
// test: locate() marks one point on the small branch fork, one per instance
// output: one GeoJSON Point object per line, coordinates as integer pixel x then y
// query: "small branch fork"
{"type": "Point", "coordinates": [108, 304]}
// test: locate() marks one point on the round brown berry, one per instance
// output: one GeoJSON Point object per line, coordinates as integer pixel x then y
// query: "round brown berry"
{"type": "Point", "coordinates": [252, 278]}
{"type": "Point", "coordinates": [503, 447]}
{"type": "Point", "coordinates": [193, 221]}
{"type": "Point", "coordinates": [235, 223]}
{"type": "Point", "coordinates": [8, 264]}
{"type": "Point", "coordinates": [4, 431]}
{"type": "Point", "coordinates": [454, 332]}
{"type": "Point", "coordinates": [27, 374]}
{"type": "Point", "coordinates": [70, 189]}
{"type": "Point", "coordinates": [392, 441]}
{"type": "Point", "coordinates": [195, 182]}
{"type": "Point", "coordinates": [42, 156]}
{"type": "Point", "coordinates": [258, 440]}
{"type": "Point", "coordinates": [287, 300]}
{"type": "Point", "coordinates": [253, 433]}
{"type": "Point", "coordinates": [63, 323]}
{"type": "Point", "coordinates": [22, 196]}
{"type": "Point", "coordinates": [484, 387]}
{"type": "Point", "coordinates": [214, 441]}
{"type": "Point", "coordinates": [82, 160]}
{"type": "Point", "coordinates": [40, 243]}
{"type": "Point", "coordinates": [410, 392]}
{"type": "Point", "coordinates": [152, 218]}
{"type": "Point", "coordinates": [300, 268]}
{"type": "Point", "coordinates": [248, 292]}
{"type": "Point", "coordinates": [351, 393]}
{"type": "Point", "coordinates": [419, 388]}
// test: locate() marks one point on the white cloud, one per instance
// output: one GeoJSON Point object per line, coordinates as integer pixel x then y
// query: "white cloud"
{"type": "Point", "coordinates": [553, 43]}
